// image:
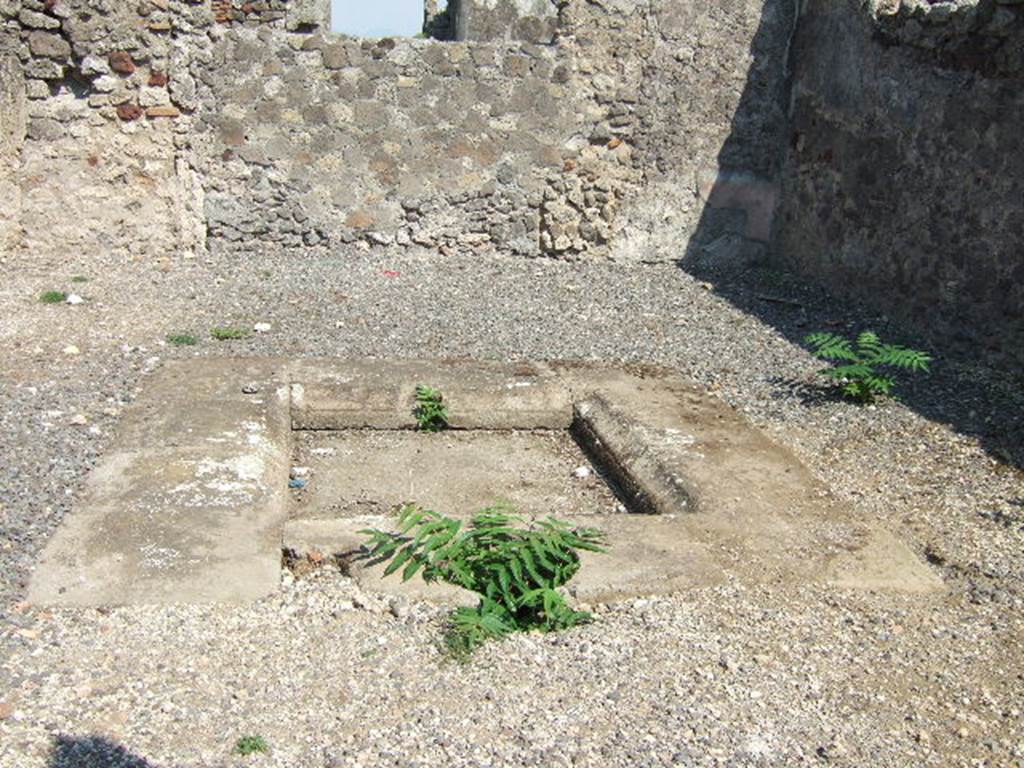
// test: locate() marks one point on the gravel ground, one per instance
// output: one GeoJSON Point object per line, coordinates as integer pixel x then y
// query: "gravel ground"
{"type": "Point", "coordinates": [732, 676]}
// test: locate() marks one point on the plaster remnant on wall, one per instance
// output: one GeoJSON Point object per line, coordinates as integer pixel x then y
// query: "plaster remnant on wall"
{"type": "Point", "coordinates": [12, 139]}
{"type": "Point", "coordinates": [756, 198]}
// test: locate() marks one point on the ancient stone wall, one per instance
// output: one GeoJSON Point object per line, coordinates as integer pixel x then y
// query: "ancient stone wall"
{"type": "Point", "coordinates": [904, 180]}
{"type": "Point", "coordinates": [318, 140]}
{"type": "Point", "coordinates": [581, 130]}
{"type": "Point", "coordinates": [404, 141]}
{"type": "Point", "coordinates": [708, 121]}
{"type": "Point", "coordinates": [100, 168]}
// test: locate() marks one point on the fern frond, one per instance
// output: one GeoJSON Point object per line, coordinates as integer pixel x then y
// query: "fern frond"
{"type": "Point", "coordinates": [430, 411]}
{"type": "Point", "coordinates": [879, 383]}
{"type": "Point", "coordinates": [828, 346]}
{"type": "Point", "coordinates": [901, 357]}
{"type": "Point", "coordinates": [858, 377]}
{"type": "Point", "coordinates": [868, 344]}
{"type": "Point", "coordinates": [515, 567]}
{"type": "Point", "coordinates": [471, 627]}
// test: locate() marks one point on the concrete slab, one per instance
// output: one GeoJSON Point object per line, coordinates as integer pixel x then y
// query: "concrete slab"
{"type": "Point", "coordinates": [631, 459]}
{"type": "Point", "coordinates": [751, 502]}
{"type": "Point", "coordinates": [457, 473]}
{"type": "Point", "coordinates": [329, 394]}
{"type": "Point", "coordinates": [884, 563]}
{"type": "Point", "coordinates": [646, 557]}
{"type": "Point", "coordinates": [189, 507]}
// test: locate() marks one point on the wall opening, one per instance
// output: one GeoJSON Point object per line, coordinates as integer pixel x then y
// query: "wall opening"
{"type": "Point", "coordinates": [388, 18]}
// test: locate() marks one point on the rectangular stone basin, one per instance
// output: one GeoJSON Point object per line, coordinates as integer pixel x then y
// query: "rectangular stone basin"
{"type": "Point", "coordinates": [193, 503]}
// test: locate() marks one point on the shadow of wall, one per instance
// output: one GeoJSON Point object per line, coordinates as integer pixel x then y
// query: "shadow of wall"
{"type": "Point", "coordinates": [896, 189]}
{"type": "Point", "coordinates": [905, 171]}
{"type": "Point", "coordinates": [92, 752]}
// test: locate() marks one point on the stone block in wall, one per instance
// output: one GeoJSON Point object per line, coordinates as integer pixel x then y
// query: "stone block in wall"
{"type": "Point", "coordinates": [308, 16]}
{"type": "Point", "coordinates": [49, 45]}
{"type": "Point", "coordinates": [10, 8]}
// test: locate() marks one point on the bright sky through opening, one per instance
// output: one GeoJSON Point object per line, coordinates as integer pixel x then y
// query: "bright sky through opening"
{"type": "Point", "coordinates": [377, 18]}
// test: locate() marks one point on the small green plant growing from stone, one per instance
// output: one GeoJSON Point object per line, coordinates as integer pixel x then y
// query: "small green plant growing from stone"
{"type": "Point", "coordinates": [53, 297]}
{"type": "Point", "coordinates": [79, 279]}
{"type": "Point", "coordinates": [250, 745]}
{"type": "Point", "coordinates": [430, 411]}
{"type": "Point", "coordinates": [182, 340]}
{"type": "Point", "coordinates": [228, 333]}
{"type": "Point", "coordinates": [859, 361]}
{"type": "Point", "coordinates": [515, 567]}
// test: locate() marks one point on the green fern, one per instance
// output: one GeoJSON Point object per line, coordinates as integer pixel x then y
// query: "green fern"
{"type": "Point", "coordinates": [431, 412]}
{"type": "Point", "coordinates": [251, 745]}
{"type": "Point", "coordinates": [53, 297]}
{"type": "Point", "coordinates": [516, 568]}
{"type": "Point", "coordinates": [857, 363]}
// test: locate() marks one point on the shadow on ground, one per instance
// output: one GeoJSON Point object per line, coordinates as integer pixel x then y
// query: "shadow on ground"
{"type": "Point", "coordinates": [961, 391]}
{"type": "Point", "coordinates": [92, 752]}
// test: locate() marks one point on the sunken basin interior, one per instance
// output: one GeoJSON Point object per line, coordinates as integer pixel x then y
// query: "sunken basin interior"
{"type": "Point", "coordinates": [536, 473]}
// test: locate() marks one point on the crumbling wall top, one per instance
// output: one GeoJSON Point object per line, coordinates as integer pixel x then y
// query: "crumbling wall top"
{"type": "Point", "coordinates": [986, 36]}
{"type": "Point", "coordinates": [293, 15]}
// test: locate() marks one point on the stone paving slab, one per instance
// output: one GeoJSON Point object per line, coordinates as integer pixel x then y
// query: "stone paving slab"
{"type": "Point", "coordinates": [188, 507]}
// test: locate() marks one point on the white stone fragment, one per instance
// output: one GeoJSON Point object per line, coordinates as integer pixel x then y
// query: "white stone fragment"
{"type": "Point", "coordinates": [154, 97]}
{"type": "Point", "coordinates": [94, 65]}
{"type": "Point", "coordinates": [105, 84]}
